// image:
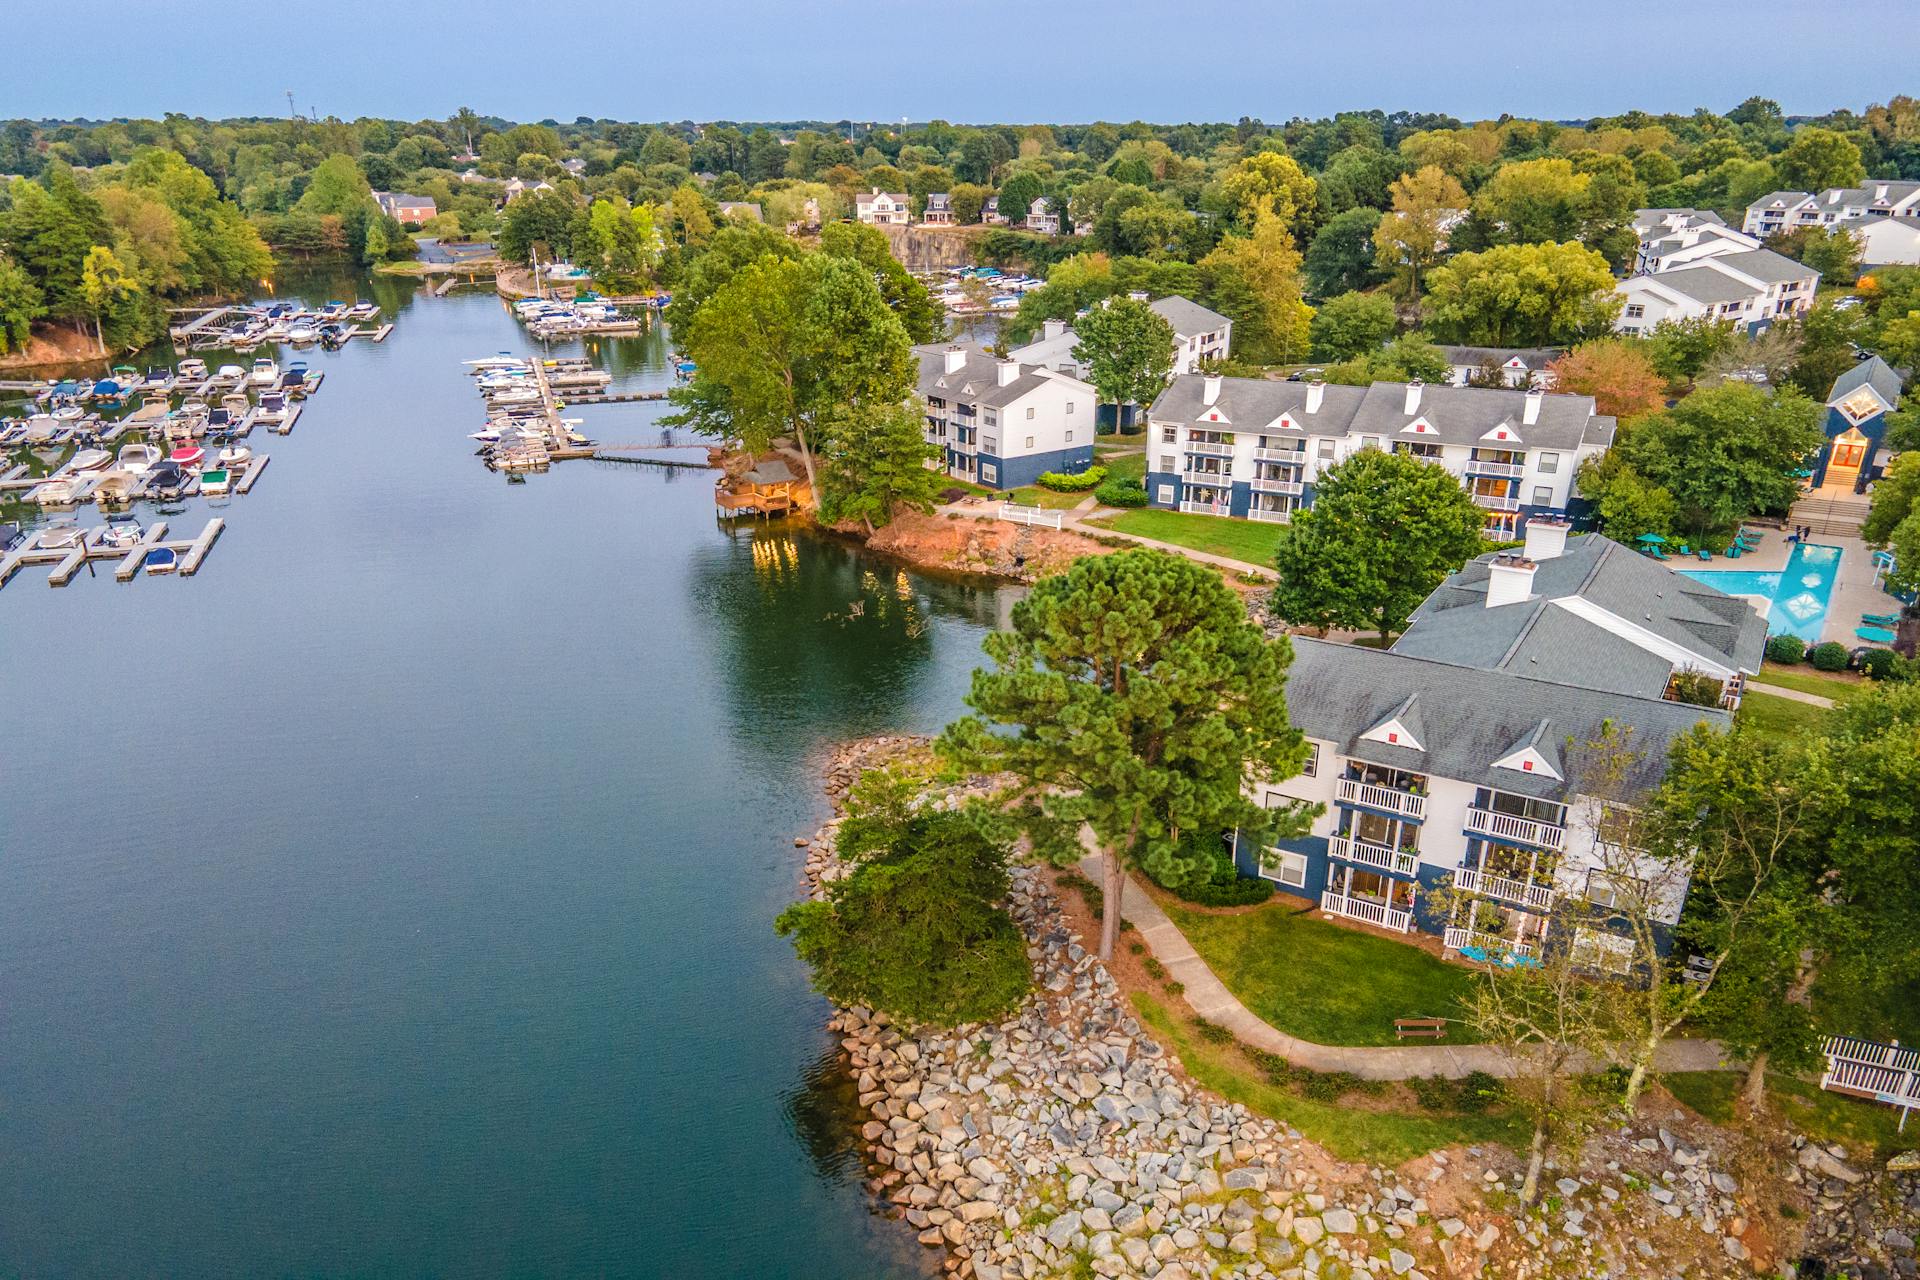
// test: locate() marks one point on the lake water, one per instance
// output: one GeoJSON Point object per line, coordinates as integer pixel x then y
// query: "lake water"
{"type": "Point", "coordinates": [394, 897]}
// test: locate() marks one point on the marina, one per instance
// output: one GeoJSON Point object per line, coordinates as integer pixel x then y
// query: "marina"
{"type": "Point", "coordinates": [68, 550]}
{"type": "Point", "coordinates": [526, 428]}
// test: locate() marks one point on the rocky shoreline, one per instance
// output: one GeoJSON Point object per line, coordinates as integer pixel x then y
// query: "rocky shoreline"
{"type": "Point", "coordinates": [1064, 1141]}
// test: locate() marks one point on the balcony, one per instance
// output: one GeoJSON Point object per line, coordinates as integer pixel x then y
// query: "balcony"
{"type": "Point", "coordinates": [1298, 457]}
{"type": "Point", "coordinates": [1293, 488]}
{"type": "Point", "coordinates": [1460, 939]}
{"type": "Point", "coordinates": [1218, 479]}
{"type": "Point", "coordinates": [1504, 826]}
{"type": "Point", "coordinates": [1366, 911]}
{"type": "Point", "coordinates": [1400, 862]}
{"type": "Point", "coordinates": [1387, 799]}
{"type": "Point", "coordinates": [1210, 448]}
{"type": "Point", "coordinates": [1496, 502]}
{"type": "Point", "coordinates": [1511, 470]}
{"type": "Point", "coordinates": [1191, 507]}
{"type": "Point", "coordinates": [1269, 517]}
{"type": "Point", "coordinates": [1538, 896]}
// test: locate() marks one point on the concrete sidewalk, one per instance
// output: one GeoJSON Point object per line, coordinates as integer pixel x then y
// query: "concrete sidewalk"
{"type": "Point", "coordinates": [1203, 557]}
{"type": "Point", "coordinates": [1791, 695]}
{"type": "Point", "coordinates": [1209, 998]}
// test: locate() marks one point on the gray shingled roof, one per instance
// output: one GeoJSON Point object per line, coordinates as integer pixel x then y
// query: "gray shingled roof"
{"type": "Point", "coordinates": [1534, 357]}
{"type": "Point", "coordinates": [1765, 265]}
{"type": "Point", "coordinates": [1786, 199]}
{"type": "Point", "coordinates": [1702, 284]}
{"type": "Point", "coordinates": [1471, 718]}
{"type": "Point", "coordinates": [981, 373]}
{"type": "Point", "coordinates": [1464, 416]}
{"type": "Point", "coordinates": [1873, 372]}
{"type": "Point", "coordinates": [1539, 638]}
{"type": "Point", "coordinates": [1250, 404]}
{"type": "Point", "coordinates": [1187, 317]}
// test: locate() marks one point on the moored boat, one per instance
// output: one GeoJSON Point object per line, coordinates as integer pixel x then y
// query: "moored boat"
{"type": "Point", "coordinates": [138, 458]}
{"type": "Point", "coordinates": [161, 560]}
{"type": "Point", "coordinates": [265, 373]}
{"type": "Point", "coordinates": [235, 456]}
{"type": "Point", "coordinates": [90, 460]}
{"type": "Point", "coordinates": [186, 455]}
{"type": "Point", "coordinates": [217, 480]}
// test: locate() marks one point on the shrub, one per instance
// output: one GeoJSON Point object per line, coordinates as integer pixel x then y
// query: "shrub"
{"type": "Point", "coordinates": [1212, 1032]}
{"type": "Point", "coordinates": [953, 493]}
{"type": "Point", "coordinates": [1831, 656]}
{"type": "Point", "coordinates": [1154, 968]}
{"type": "Point", "coordinates": [1879, 664]}
{"type": "Point", "coordinates": [1695, 688]}
{"type": "Point", "coordinates": [1122, 491]}
{"type": "Point", "coordinates": [1215, 881]}
{"type": "Point", "coordinates": [1471, 1094]}
{"type": "Point", "coordinates": [1786, 649]}
{"type": "Point", "coordinates": [1062, 483]}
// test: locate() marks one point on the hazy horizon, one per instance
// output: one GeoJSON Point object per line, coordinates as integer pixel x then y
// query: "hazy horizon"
{"type": "Point", "coordinates": [977, 61]}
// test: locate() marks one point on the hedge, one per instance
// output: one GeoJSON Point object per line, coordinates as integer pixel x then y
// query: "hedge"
{"type": "Point", "coordinates": [1786, 649]}
{"type": "Point", "coordinates": [1831, 656]}
{"type": "Point", "coordinates": [1879, 663]}
{"type": "Point", "coordinates": [1122, 491]}
{"type": "Point", "coordinates": [1091, 478]}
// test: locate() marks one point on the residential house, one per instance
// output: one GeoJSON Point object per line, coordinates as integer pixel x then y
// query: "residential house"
{"type": "Point", "coordinates": [1198, 334]}
{"type": "Point", "coordinates": [405, 209]}
{"type": "Point", "coordinates": [1459, 791]}
{"type": "Point", "coordinates": [1856, 425]}
{"type": "Point", "coordinates": [575, 167]}
{"type": "Point", "coordinates": [740, 210]}
{"type": "Point", "coordinates": [939, 210]}
{"type": "Point", "coordinates": [1254, 449]}
{"type": "Point", "coordinates": [1779, 211]}
{"type": "Point", "coordinates": [1887, 242]}
{"type": "Point", "coordinates": [1042, 217]}
{"type": "Point", "coordinates": [990, 213]}
{"type": "Point", "coordinates": [883, 208]}
{"type": "Point", "coordinates": [1002, 423]}
{"type": "Point", "coordinates": [473, 175]}
{"type": "Point", "coordinates": [1670, 237]}
{"type": "Point", "coordinates": [1649, 224]}
{"type": "Point", "coordinates": [520, 187]}
{"type": "Point", "coordinates": [1751, 287]}
{"type": "Point", "coordinates": [1515, 366]}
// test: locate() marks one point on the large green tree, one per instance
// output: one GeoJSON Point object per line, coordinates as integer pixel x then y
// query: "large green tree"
{"type": "Point", "coordinates": [1341, 257]}
{"type": "Point", "coordinates": [21, 303]}
{"type": "Point", "coordinates": [1384, 530]}
{"type": "Point", "coordinates": [1818, 158]}
{"type": "Point", "coordinates": [876, 464]}
{"type": "Point", "coordinates": [1725, 452]}
{"type": "Point", "coordinates": [920, 314]}
{"type": "Point", "coordinates": [1141, 703]}
{"type": "Point", "coordinates": [1128, 351]}
{"type": "Point", "coordinates": [1523, 294]}
{"type": "Point", "coordinates": [1351, 324]}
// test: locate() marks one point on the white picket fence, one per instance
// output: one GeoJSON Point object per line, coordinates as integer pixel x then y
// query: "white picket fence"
{"type": "Point", "coordinates": [1032, 515]}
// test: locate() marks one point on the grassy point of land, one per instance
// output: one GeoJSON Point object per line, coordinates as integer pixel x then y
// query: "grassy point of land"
{"type": "Point", "coordinates": [1247, 541]}
{"type": "Point", "coordinates": [1034, 496]}
{"type": "Point", "coordinates": [1321, 982]}
{"type": "Point", "coordinates": [1825, 1117]}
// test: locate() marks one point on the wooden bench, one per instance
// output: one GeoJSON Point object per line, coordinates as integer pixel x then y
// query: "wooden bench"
{"type": "Point", "coordinates": [1420, 1028]}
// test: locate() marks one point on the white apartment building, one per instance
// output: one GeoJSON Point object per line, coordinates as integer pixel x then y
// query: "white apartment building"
{"type": "Point", "coordinates": [1750, 287]}
{"type": "Point", "coordinates": [1002, 423]}
{"type": "Point", "coordinates": [1779, 211]}
{"type": "Point", "coordinates": [1198, 334]}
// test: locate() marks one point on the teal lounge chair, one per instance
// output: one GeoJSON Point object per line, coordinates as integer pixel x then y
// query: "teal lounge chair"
{"type": "Point", "coordinates": [1704, 554]}
{"type": "Point", "coordinates": [1656, 553]}
{"type": "Point", "coordinates": [1880, 619]}
{"type": "Point", "coordinates": [1733, 551]}
{"type": "Point", "coordinates": [1879, 635]}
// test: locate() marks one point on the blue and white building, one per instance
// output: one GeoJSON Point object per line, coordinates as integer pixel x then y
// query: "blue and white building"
{"type": "Point", "coordinates": [1255, 449]}
{"type": "Point", "coordinates": [1856, 426]}
{"type": "Point", "coordinates": [1456, 760]}
{"type": "Point", "coordinates": [1002, 423]}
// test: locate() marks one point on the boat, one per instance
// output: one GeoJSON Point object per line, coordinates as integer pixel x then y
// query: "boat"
{"type": "Point", "coordinates": [192, 367]}
{"type": "Point", "coordinates": [89, 460]}
{"type": "Point", "coordinates": [68, 413]}
{"type": "Point", "coordinates": [186, 455]}
{"type": "Point", "coordinates": [166, 479]}
{"type": "Point", "coordinates": [138, 458]}
{"type": "Point", "coordinates": [52, 493]}
{"type": "Point", "coordinates": [236, 403]}
{"type": "Point", "coordinates": [161, 560]}
{"type": "Point", "coordinates": [501, 361]}
{"type": "Point", "coordinates": [117, 537]}
{"type": "Point", "coordinates": [231, 373]}
{"type": "Point", "coordinates": [513, 395]}
{"type": "Point", "coordinates": [234, 456]}
{"type": "Point", "coordinates": [302, 333]}
{"type": "Point", "coordinates": [490, 436]}
{"type": "Point", "coordinates": [265, 373]}
{"type": "Point", "coordinates": [59, 537]}
{"type": "Point", "coordinates": [117, 486]}
{"type": "Point", "coordinates": [216, 480]}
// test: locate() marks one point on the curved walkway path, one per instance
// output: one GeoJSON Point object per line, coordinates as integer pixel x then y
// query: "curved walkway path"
{"type": "Point", "coordinates": [1209, 997]}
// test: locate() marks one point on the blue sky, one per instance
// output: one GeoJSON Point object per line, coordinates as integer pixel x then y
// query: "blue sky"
{"type": "Point", "coordinates": [962, 60]}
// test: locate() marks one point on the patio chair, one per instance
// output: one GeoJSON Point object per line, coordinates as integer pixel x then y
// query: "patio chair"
{"type": "Point", "coordinates": [1657, 553]}
{"type": "Point", "coordinates": [1880, 619]}
{"type": "Point", "coordinates": [1734, 550]}
{"type": "Point", "coordinates": [1684, 550]}
{"type": "Point", "coordinates": [1879, 635]}
{"type": "Point", "coordinates": [1704, 554]}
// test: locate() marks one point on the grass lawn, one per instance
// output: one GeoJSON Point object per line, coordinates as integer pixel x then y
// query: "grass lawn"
{"type": "Point", "coordinates": [1828, 1117]}
{"type": "Point", "coordinates": [1126, 466]}
{"type": "Point", "coordinates": [1319, 981]}
{"type": "Point", "coordinates": [1807, 680]}
{"type": "Point", "coordinates": [1349, 1132]}
{"type": "Point", "coordinates": [1778, 717]}
{"type": "Point", "coordinates": [1244, 540]}
{"type": "Point", "coordinates": [1034, 496]}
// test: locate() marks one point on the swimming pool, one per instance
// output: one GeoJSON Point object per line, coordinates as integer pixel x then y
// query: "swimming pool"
{"type": "Point", "coordinates": [1797, 596]}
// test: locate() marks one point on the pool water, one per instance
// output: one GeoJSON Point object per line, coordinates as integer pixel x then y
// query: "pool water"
{"type": "Point", "coordinates": [1797, 596]}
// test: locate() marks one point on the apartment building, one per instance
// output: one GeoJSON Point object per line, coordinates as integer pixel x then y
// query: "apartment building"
{"type": "Point", "coordinates": [1002, 423]}
{"type": "Point", "coordinates": [1779, 211]}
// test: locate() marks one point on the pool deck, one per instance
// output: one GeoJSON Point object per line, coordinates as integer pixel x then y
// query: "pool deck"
{"type": "Point", "coordinates": [1853, 589]}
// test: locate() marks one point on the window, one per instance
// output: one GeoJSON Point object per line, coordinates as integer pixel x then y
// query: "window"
{"type": "Point", "coordinates": [993, 419]}
{"type": "Point", "coordinates": [1169, 434]}
{"type": "Point", "coordinates": [1311, 769]}
{"type": "Point", "coordinates": [1549, 464]}
{"type": "Point", "coordinates": [1166, 462]}
{"type": "Point", "coordinates": [990, 443]}
{"type": "Point", "coordinates": [1325, 449]}
{"type": "Point", "coordinates": [1070, 406]}
{"type": "Point", "coordinates": [1163, 493]}
{"type": "Point", "coordinates": [1029, 413]}
{"type": "Point", "coordinates": [1635, 311]}
{"type": "Point", "coordinates": [1069, 435]}
{"type": "Point", "coordinates": [989, 473]}
{"type": "Point", "coordinates": [1289, 869]}
{"type": "Point", "coordinates": [1543, 495]}
{"type": "Point", "coordinates": [1029, 442]}
{"type": "Point", "coordinates": [1598, 949]}
{"type": "Point", "coordinates": [1369, 442]}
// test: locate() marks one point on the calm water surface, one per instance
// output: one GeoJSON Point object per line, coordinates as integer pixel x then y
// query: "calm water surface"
{"type": "Point", "coordinates": [393, 897]}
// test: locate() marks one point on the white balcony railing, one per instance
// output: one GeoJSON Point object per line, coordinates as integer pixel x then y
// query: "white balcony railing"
{"type": "Point", "coordinates": [1191, 507]}
{"type": "Point", "coordinates": [1291, 487]}
{"type": "Point", "coordinates": [1504, 826]}
{"type": "Point", "coordinates": [1378, 856]}
{"type": "Point", "coordinates": [1269, 517]}
{"type": "Point", "coordinates": [1538, 896]}
{"type": "Point", "coordinates": [1366, 911]}
{"type": "Point", "coordinates": [1457, 939]}
{"type": "Point", "coordinates": [1510, 469]}
{"type": "Point", "coordinates": [1496, 502]}
{"type": "Point", "coordinates": [1210, 448]}
{"type": "Point", "coordinates": [1298, 456]}
{"type": "Point", "coordinates": [1888, 1073]}
{"type": "Point", "coordinates": [1392, 799]}
{"type": "Point", "coordinates": [1218, 479]}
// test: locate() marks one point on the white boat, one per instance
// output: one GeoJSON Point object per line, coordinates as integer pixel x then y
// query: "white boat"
{"type": "Point", "coordinates": [521, 395]}
{"type": "Point", "coordinates": [192, 367]}
{"type": "Point", "coordinates": [69, 413]}
{"type": "Point", "coordinates": [90, 460]}
{"type": "Point", "coordinates": [501, 361]}
{"type": "Point", "coordinates": [234, 456]}
{"type": "Point", "coordinates": [265, 372]}
{"type": "Point", "coordinates": [52, 493]}
{"type": "Point", "coordinates": [117, 537]}
{"type": "Point", "coordinates": [216, 481]}
{"type": "Point", "coordinates": [302, 333]}
{"type": "Point", "coordinates": [59, 537]}
{"type": "Point", "coordinates": [231, 373]}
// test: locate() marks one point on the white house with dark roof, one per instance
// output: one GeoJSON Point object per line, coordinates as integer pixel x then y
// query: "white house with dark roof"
{"type": "Point", "coordinates": [1750, 287]}
{"type": "Point", "coordinates": [1666, 247]}
{"type": "Point", "coordinates": [939, 210]}
{"type": "Point", "coordinates": [1002, 423]}
{"type": "Point", "coordinates": [883, 208]}
{"type": "Point", "coordinates": [1198, 334]}
{"type": "Point", "coordinates": [1516, 366]}
{"type": "Point", "coordinates": [1255, 449]}
{"type": "Point", "coordinates": [1779, 211]}
{"type": "Point", "coordinates": [1453, 767]}
{"type": "Point", "coordinates": [1042, 217]}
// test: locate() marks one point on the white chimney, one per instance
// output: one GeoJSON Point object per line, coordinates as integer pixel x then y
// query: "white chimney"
{"type": "Point", "coordinates": [1008, 370]}
{"type": "Point", "coordinates": [1138, 295]}
{"type": "Point", "coordinates": [1210, 388]}
{"type": "Point", "coordinates": [956, 358]}
{"type": "Point", "coordinates": [1316, 392]}
{"type": "Point", "coordinates": [1546, 538]}
{"type": "Point", "coordinates": [1053, 328]}
{"type": "Point", "coordinates": [1509, 580]}
{"type": "Point", "coordinates": [1531, 414]}
{"type": "Point", "coordinates": [1413, 396]}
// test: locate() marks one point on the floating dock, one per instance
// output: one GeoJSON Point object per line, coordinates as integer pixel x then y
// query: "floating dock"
{"type": "Point", "coordinates": [69, 560]}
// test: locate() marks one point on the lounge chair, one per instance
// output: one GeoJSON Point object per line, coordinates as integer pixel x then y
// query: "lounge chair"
{"type": "Point", "coordinates": [1879, 635]}
{"type": "Point", "coordinates": [1734, 550]}
{"type": "Point", "coordinates": [1880, 619]}
{"type": "Point", "coordinates": [1704, 554]}
{"type": "Point", "coordinates": [1684, 550]}
{"type": "Point", "coordinates": [1657, 553]}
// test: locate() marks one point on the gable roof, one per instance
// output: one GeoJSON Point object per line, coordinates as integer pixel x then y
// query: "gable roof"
{"type": "Point", "coordinates": [1696, 282]}
{"type": "Point", "coordinates": [977, 381]}
{"type": "Point", "coordinates": [1471, 415]}
{"type": "Point", "coordinates": [1253, 404]}
{"type": "Point", "coordinates": [1763, 265]}
{"type": "Point", "coordinates": [1186, 316]}
{"type": "Point", "coordinates": [1873, 372]}
{"type": "Point", "coordinates": [1473, 717]}
{"type": "Point", "coordinates": [1531, 357]}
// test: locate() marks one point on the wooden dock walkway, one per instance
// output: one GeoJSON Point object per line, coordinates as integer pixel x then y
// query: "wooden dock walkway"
{"type": "Point", "coordinates": [614, 397]}
{"type": "Point", "coordinates": [68, 561]}
{"type": "Point", "coordinates": [255, 465]}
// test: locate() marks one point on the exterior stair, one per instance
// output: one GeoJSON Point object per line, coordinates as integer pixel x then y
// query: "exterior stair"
{"type": "Point", "coordinates": [1832, 517]}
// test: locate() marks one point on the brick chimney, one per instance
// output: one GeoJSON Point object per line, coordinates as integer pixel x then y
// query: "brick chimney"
{"type": "Point", "coordinates": [1509, 580]}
